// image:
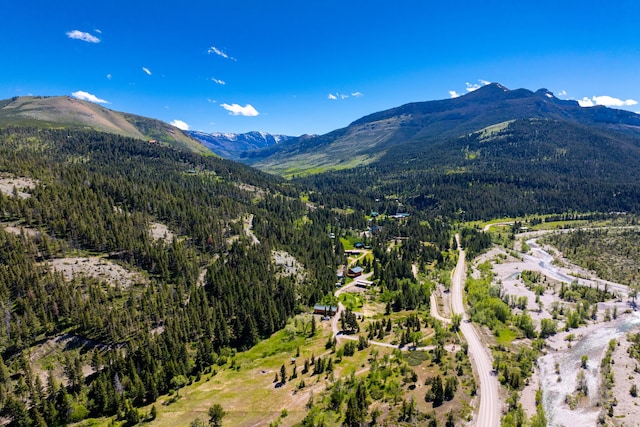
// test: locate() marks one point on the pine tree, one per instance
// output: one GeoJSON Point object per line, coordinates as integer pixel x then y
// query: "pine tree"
{"type": "Point", "coordinates": [216, 414]}
{"type": "Point", "coordinates": [283, 374]}
{"type": "Point", "coordinates": [451, 385]}
{"type": "Point", "coordinates": [437, 391]}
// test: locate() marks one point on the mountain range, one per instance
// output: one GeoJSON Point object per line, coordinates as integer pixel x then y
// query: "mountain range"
{"type": "Point", "coordinates": [233, 145]}
{"type": "Point", "coordinates": [367, 140]}
{"type": "Point", "coordinates": [492, 152]}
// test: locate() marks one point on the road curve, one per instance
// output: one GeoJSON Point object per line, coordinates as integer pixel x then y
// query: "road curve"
{"type": "Point", "coordinates": [489, 413]}
{"type": "Point", "coordinates": [339, 336]}
{"type": "Point", "coordinates": [434, 310]}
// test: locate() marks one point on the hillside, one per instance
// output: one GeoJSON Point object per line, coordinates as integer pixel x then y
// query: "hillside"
{"type": "Point", "coordinates": [368, 139]}
{"type": "Point", "coordinates": [66, 112]}
{"type": "Point", "coordinates": [138, 255]}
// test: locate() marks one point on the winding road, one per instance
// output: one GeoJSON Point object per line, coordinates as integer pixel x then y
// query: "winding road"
{"type": "Point", "coordinates": [489, 414]}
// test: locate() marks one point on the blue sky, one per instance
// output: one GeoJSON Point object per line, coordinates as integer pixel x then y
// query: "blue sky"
{"type": "Point", "coordinates": [295, 67]}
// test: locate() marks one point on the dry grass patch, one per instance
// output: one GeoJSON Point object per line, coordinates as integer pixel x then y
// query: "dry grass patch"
{"type": "Point", "coordinates": [98, 268]}
{"type": "Point", "coordinates": [160, 231]}
{"type": "Point", "coordinates": [7, 185]}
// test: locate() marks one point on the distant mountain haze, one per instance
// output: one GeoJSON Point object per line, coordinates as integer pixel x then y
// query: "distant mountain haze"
{"type": "Point", "coordinates": [233, 145]}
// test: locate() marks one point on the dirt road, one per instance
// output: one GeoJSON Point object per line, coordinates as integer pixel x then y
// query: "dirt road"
{"type": "Point", "coordinates": [340, 336]}
{"type": "Point", "coordinates": [489, 414]}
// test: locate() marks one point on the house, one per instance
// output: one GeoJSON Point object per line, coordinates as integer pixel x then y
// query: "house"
{"type": "Point", "coordinates": [355, 271]}
{"type": "Point", "coordinates": [361, 283]}
{"type": "Point", "coordinates": [325, 310]}
{"type": "Point", "coordinates": [401, 215]}
{"type": "Point", "coordinates": [359, 245]}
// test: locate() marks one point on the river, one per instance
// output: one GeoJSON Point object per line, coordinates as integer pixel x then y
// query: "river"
{"type": "Point", "coordinates": [593, 343]}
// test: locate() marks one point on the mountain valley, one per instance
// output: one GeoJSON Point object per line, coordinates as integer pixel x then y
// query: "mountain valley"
{"type": "Point", "coordinates": [149, 277]}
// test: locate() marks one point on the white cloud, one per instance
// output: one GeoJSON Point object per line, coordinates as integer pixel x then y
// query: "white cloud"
{"type": "Point", "coordinates": [86, 37]}
{"type": "Point", "coordinates": [146, 70]}
{"type": "Point", "coordinates": [586, 102]}
{"type": "Point", "coordinates": [86, 96]}
{"type": "Point", "coordinates": [453, 94]}
{"type": "Point", "coordinates": [219, 52]}
{"type": "Point", "coordinates": [239, 110]}
{"type": "Point", "coordinates": [218, 81]}
{"type": "Point", "coordinates": [562, 93]}
{"type": "Point", "coordinates": [471, 87]}
{"type": "Point", "coordinates": [607, 101]}
{"type": "Point", "coordinates": [109, 76]}
{"type": "Point", "coordinates": [180, 124]}
{"type": "Point", "coordinates": [212, 101]}
{"type": "Point", "coordinates": [97, 30]}
{"type": "Point", "coordinates": [338, 95]}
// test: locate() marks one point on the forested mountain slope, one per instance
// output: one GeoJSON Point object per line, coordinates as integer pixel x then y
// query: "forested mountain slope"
{"type": "Point", "coordinates": [519, 167]}
{"type": "Point", "coordinates": [208, 288]}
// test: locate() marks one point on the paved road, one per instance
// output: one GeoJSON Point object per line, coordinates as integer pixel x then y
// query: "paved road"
{"type": "Point", "coordinates": [489, 414]}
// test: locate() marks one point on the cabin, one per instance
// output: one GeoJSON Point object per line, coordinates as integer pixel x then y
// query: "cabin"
{"type": "Point", "coordinates": [325, 310]}
{"type": "Point", "coordinates": [355, 271]}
